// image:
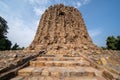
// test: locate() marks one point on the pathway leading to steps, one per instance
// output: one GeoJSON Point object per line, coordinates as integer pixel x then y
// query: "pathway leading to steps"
{"type": "Point", "coordinates": [59, 67]}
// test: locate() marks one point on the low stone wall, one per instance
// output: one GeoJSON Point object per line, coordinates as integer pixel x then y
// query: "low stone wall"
{"type": "Point", "coordinates": [12, 61]}
{"type": "Point", "coordinates": [108, 59]}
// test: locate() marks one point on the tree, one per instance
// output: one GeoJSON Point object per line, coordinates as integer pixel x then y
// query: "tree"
{"type": "Point", "coordinates": [5, 44]}
{"type": "Point", "coordinates": [113, 43]}
{"type": "Point", "coordinates": [118, 42]}
{"type": "Point", "coordinates": [16, 47]}
{"type": "Point", "coordinates": [3, 27]}
{"type": "Point", "coordinates": [104, 48]}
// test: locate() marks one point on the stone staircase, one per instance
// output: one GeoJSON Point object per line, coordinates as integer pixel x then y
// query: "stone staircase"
{"type": "Point", "coordinates": [59, 67]}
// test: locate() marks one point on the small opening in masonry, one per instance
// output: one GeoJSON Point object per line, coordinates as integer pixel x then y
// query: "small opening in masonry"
{"type": "Point", "coordinates": [85, 36]}
{"type": "Point", "coordinates": [61, 13]}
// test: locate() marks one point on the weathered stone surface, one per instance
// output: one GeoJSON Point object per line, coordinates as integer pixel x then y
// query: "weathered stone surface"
{"type": "Point", "coordinates": [56, 78]}
{"type": "Point", "coordinates": [59, 63]}
{"type": "Point", "coordinates": [26, 71]}
{"type": "Point", "coordinates": [103, 60]}
{"type": "Point", "coordinates": [56, 74]}
{"type": "Point", "coordinates": [12, 61]}
{"type": "Point", "coordinates": [61, 29]}
{"type": "Point", "coordinates": [45, 73]}
{"type": "Point", "coordinates": [18, 78]}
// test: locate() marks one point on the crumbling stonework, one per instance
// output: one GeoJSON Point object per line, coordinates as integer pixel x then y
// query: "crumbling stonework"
{"type": "Point", "coordinates": [13, 60]}
{"type": "Point", "coordinates": [61, 28]}
{"type": "Point", "coordinates": [62, 44]}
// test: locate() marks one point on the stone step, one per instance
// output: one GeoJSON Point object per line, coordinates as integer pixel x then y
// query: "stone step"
{"type": "Point", "coordinates": [58, 55]}
{"type": "Point", "coordinates": [55, 78]}
{"type": "Point", "coordinates": [59, 63]}
{"type": "Point", "coordinates": [48, 55]}
{"type": "Point", "coordinates": [59, 58]}
{"type": "Point", "coordinates": [58, 71]}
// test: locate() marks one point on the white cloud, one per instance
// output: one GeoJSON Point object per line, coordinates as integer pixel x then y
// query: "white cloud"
{"type": "Point", "coordinates": [39, 2]}
{"type": "Point", "coordinates": [39, 6]}
{"type": "Point", "coordinates": [4, 5]}
{"type": "Point", "coordinates": [31, 1]}
{"type": "Point", "coordinates": [86, 1]}
{"type": "Point", "coordinates": [94, 32]}
{"type": "Point", "coordinates": [39, 11]}
{"type": "Point", "coordinates": [79, 4]}
{"type": "Point", "coordinates": [20, 32]}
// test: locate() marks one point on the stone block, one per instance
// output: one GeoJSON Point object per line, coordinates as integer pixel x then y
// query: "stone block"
{"type": "Point", "coordinates": [37, 71]}
{"type": "Point", "coordinates": [58, 64]}
{"type": "Point", "coordinates": [45, 73]}
{"type": "Point", "coordinates": [40, 64]}
{"type": "Point", "coordinates": [32, 63]}
{"type": "Point", "coordinates": [25, 71]}
{"type": "Point", "coordinates": [18, 78]}
{"type": "Point", "coordinates": [103, 60]}
{"type": "Point", "coordinates": [49, 64]}
{"type": "Point", "coordinates": [56, 74]}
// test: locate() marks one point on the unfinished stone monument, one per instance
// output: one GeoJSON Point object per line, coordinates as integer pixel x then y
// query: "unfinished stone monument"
{"type": "Point", "coordinates": [61, 28]}
{"type": "Point", "coordinates": [62, 50]}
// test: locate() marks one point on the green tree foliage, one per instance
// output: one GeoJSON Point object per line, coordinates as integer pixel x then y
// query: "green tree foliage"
{"type": "Point", "coordinates": [3, 27]}
{"type": "Point", "coordinates": [113, 43]}
{"type": "Point", "coordinates": [5, 44]}
{"type": "Point", "coordinates": [118, 42]}
{"type": "Point", "coordinates": [104, 48]}
{"type": "Point", "coordinates": [16, 47]}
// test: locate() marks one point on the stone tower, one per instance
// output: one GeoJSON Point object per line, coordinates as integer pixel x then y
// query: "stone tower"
{"type": "Point", "coordinates": [61, 29]}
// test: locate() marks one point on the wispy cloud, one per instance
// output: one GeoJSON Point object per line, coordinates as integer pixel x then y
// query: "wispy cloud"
{"type": "Point", "coordinates": [39, 6]}
{"type": "Point", "coordinates": [4, 5]}
{"type": "Point", "coordinates": [39, 11]}
{"type": "Point", "coordinates": [79, 4]}
{"type": "Point", "coordinates": [22, 26]}
{"type": "Point", "coordinates": [20, 32]}
{"type": "Point", "coordinates": [85, 1]}
{"type": "Point", "coordinates": [94, 32]}
{"type": "Point", "coordinates": [40, 2]}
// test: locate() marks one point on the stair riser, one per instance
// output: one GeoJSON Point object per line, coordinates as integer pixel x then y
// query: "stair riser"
{"type": "Point", "coordinates": [58, 59]}
{"type": "Point", "coordinates": [41, 64]}
{"type": "Point", "coordinates": [57, 74]}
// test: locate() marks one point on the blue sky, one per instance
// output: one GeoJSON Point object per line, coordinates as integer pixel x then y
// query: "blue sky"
{"type": "Point", "coordinates": [102, 18]}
